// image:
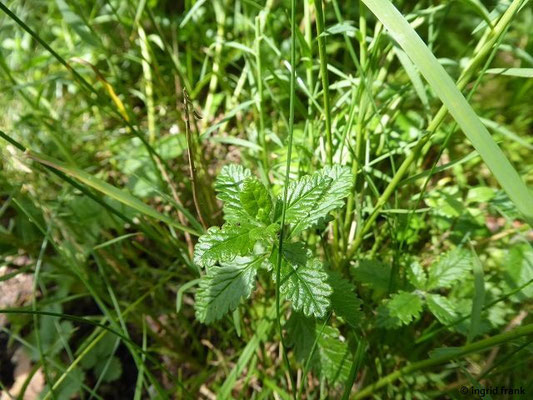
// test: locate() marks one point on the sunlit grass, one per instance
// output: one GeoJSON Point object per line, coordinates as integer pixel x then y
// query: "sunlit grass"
{"type": "Point", "coordinates": [118, 116]}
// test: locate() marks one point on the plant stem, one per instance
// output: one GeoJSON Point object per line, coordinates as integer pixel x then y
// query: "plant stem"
{"type": "Point", "coordinates": [461, 352]}
{"type": "Point", "coordinates": [324, 76]}
{"type": "Point", "coordinates": [220, 12]}
{"type": "Point", "coordinates": [310, 80]}
{"type": "Point", "coordinates": [292, 95]}
{"type": "Point", "coordinates": [148, 87]}
{"type": "Point", "coordinates": [327, 108]}
{"type": "Point", "coordinates": [190, 151]}
{"type": "Point", "coordinates": [259, 80]}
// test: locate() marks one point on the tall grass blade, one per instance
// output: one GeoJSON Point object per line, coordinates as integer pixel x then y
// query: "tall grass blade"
{"type": "Point", "coordinates": [454, 101]}
{"type": "Point", "coordinates": [109, 190]}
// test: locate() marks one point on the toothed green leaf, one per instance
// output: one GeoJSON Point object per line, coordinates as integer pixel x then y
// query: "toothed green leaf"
{"type": "Point", "coordinates": [337, 188]}
{"type": "Point", "coordinates": [224, 244]}
{"type": "Point", "coordinates": [401, 309]}
{"type": "Point", "coordinates": [303, 194]}
{"type": "Point", "coordinates": [416, 275]}
{"type": "Point", "coordinates": [311, 198]}
{"type": "Point", "coordinates": [229, 184]}
{"type": "Point", "coordinates": [441, 308]}
{"type": "Point", "coordinates": [255, 199]}
{"type": "Point", "coordinates": [223, 287]}
{"type": "Point", "coordinates": [301, 334]}
{"type": "Point", "coordinates": [306, 287]}
{"type": "Point", "coordinates": [449, 268]}
{"type": "Point", "coordinates": [335, 357]}
{"type": "Point", "coordinates": [344, 301]}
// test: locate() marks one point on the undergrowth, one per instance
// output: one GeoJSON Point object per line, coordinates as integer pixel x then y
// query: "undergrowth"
{"type": "Point", "coordinates": [279, 199]}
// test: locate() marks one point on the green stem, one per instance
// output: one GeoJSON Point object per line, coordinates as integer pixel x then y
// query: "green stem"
{"type": "Point", "coordinates": [308, 33]}
{"type": "Point", "coordinates": [292, 95]}
{"type": "Point", "coordinates": [324, 76]}
{"type": "Point", "coordinates": [259, 80]}
{"type": "Point", "coordinates": [148, 85]}
{"type": "Point", "coordinates": [220, 12]}
{"type": "Point", "coordinates": [461, 352]}
{"type": "Point", "coordinates": [36, 317]}
{"type": "Point", "coordinates": [327, 108]}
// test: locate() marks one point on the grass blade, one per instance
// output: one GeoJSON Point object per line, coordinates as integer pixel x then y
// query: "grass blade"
{"type": "Point", "coordinates": [454, 101]}
{"type": "Point", "coordinates": [356, 365]}
{"type": "Point", "coordinates": [247, 353]}
{"type": "Point", "coordinates": [458, 352]}
{"type": "Point", "coordinates": [518, 72]}
{"type": "Point", "coordinates": [109, 190]}
{"type": "Point", "coordinates": [479, 296]}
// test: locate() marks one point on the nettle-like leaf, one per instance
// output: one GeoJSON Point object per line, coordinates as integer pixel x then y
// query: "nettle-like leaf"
{"type": "Point", "coordinates": [519, 271]}
{"type": "Point", "coordinates": [417, 276]}
{"type": "Point", "coordinates": [301, 334]}
{"type": "Point", "coordinates": [306, 287]}
{"type": "Point", "coordinates": [449, 268]}
{"type": "Point", "coordinates": [400, 310]}
{"type": "Point", "coordinates": [373, 273]}
{"type": "Point", "coordinates": [256, 200]}
{"type": "Point", "coordinates": [311, 198]}
{"type": "Point", "coordinates": [331, 355]}
{"type": "Point", "coordinates": [441, 308]}
{"type": "Point", "coordinates": [223, 287]}
{"type": "Point", "coordinates": [224, 244]}
{"type": "Point", "coordinates": [344, 301]}
{"type": "Point", "coordinates": [337, 190]}
{"type": "Point", "coordinates": [229, 184]}
{"type": "Point", "coordinates": [303, 194]}
{"type": "Point", "coordinates": [334, 354]}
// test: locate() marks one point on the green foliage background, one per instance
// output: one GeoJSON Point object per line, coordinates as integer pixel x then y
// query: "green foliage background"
{"type": "Point", "coordinates": [130, 128]}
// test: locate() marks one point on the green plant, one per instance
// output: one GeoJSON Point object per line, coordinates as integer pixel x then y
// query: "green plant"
{"type": "Point", "coordinates": [370, 221]}
{"type": "Point", "coordinates": [247, 242]}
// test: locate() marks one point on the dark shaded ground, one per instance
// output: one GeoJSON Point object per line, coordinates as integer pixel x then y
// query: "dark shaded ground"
{"type": "Point", "coordinates": [6, 367]}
